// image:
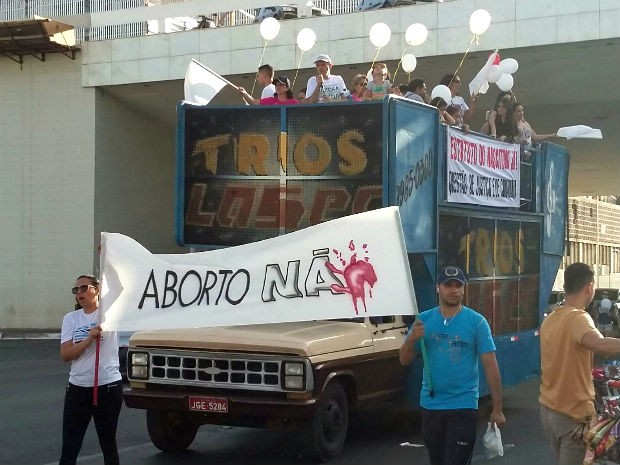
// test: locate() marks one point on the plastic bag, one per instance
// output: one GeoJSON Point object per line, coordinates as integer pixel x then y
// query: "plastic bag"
{"type": "Point", "coordinates": [492, 442]}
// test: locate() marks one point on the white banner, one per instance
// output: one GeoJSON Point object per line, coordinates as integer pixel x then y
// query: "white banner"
{"type": "Point", "coordinates": [353, 266]}
{"type": "Point", "coordinates": [482, 171]}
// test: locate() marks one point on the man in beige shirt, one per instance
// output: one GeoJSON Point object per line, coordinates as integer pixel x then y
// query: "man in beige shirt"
{"type": "Point", "coordinates": [568, 340]}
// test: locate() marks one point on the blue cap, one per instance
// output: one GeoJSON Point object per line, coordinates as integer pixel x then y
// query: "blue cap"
{"type": "Point", "coordinates": [451, 272]}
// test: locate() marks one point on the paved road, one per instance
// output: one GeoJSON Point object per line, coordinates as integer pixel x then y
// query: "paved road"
{"type": "Point", "coordinates": [32, 384]}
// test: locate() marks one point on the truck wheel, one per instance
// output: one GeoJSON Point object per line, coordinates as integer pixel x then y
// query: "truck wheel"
{"type": "Point", "coordinates": [325, 436]}
{"type": "Point", "coordinates": [170, 431]}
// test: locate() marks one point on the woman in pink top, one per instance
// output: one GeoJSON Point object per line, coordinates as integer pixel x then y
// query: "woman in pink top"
{"type": "Point", "coordinates": [283, 95]}
{"type": "Point", "coordinates": [358, 87]}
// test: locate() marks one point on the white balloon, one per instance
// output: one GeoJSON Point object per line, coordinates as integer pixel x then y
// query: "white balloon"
{"type": "Point", "coordinates": [369, 75]}
{"type": "Point", "coordinates": [269, 28]}
{"type": "Point", "coordinates": [509, 65]}
{"type": "Point", "coordinates": [306, 39]}
{"type": "Point", "coordinates": [443, 92]}
{"type": "Point", "coordinates": [416, 34]}
{"type": "Point", "coordinates": [409, 62]}
{"type": "Point", "coordinates": [479, 21]}
{"type": "Point", "coordinates": [380, 34]}
{"type": "Point", "coordinates": [506, 82]}
{"type": "Point", "coordinates": [494, 73]}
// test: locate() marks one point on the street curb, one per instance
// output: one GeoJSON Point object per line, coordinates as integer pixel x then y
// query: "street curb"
{"type": "Point", "coordinates": [34, 335]}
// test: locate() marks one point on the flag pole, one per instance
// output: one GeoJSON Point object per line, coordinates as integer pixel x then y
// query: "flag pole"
{"type": "Point", "coordinates": [213, 72]}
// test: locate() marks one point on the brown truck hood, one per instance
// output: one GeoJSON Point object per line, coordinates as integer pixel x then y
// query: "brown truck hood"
{"type": "Point", "coordinates": [300, 338]}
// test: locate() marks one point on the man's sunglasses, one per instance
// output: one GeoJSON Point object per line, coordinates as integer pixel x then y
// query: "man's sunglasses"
{"type": "Point", "coordinates": [82, 288]}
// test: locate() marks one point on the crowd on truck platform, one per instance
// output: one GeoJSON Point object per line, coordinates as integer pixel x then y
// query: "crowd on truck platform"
{"type": "Point", "coordinates": [505, 121]}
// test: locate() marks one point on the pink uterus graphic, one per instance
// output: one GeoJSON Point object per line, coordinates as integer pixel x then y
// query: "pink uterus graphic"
{"type": "Point", "coordinates": [356, 274]}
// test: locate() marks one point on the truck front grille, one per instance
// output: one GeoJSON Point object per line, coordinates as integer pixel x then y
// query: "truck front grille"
{"type": "Point", "coordinates": [217, 370]}
{"type": "Point", "coordinates": [236, 371]}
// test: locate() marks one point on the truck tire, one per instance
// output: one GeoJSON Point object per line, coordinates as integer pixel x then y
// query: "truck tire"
{"type": "Point", "coordinates": [170, 431]}
{"type": "Point", "coordinates": [324, 438]}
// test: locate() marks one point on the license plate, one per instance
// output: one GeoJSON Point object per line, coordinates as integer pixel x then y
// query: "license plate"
{"type": "Point", "coordinates": [208, 404]}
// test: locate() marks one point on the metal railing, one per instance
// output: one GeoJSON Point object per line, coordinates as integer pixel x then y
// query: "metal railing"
{"type": "Point", "coordinates": [11, 10]}
{"type": "Point", "coordinates": [337, 7]}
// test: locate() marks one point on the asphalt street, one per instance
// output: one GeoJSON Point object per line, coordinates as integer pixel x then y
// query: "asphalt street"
{"type": "Point", "coordinates": [31, 401]}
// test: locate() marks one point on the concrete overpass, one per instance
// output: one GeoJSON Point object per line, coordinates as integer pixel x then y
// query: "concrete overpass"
{"type": "Point", "coordinates": [568, 54]}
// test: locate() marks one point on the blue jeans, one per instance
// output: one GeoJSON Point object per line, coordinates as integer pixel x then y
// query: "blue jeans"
{"type": "Point", "coordinates": [449, 435]}
{"type": "Point", "coordinates": [77, 414]}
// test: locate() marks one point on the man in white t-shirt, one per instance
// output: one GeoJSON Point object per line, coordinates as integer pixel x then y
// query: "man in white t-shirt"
{"type": "Point", "coordinates": [264, 78]}
{"type": "Point", "coordinates": [325, 87]}
{"type": "Point", "coordinates": [453, 82]}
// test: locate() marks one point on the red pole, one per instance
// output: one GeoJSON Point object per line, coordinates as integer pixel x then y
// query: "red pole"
{"type": "Point", "coordinates": [96, 383]}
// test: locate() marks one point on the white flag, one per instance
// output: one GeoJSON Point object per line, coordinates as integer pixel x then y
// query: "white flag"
{"type": "Point", "coordinates": [479, 84]}
{"type": "Point", "coordinates": [201, 83]}
{"type": "Point", "coordinates": [354, 266]}
{"type": "Point", "coordinates": [579, 131]}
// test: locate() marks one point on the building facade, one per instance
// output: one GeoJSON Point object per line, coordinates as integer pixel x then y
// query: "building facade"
{"type": "Point", "coordinates": [594, 237]}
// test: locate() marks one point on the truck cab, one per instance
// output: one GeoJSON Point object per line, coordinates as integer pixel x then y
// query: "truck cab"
{"type": "Point", "coordinates": [308, 375]}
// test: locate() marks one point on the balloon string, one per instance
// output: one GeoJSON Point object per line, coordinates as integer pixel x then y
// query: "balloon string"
{"type": "Point", "coordinates": [375, 58]}
{"type": "Point", "coordinates": [297, 70]}
{"type": "Point", "coordinates": [398, 65]}
{"type": "Point", "coordinates": [474, 38]}
{"type": "Point", "coordinates": [259, 65]}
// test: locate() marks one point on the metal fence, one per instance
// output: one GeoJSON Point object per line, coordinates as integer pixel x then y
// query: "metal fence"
{"type": "Point", "coordinates": [11, 10]}
{"type": "Point", "coordinates": [338, 7]}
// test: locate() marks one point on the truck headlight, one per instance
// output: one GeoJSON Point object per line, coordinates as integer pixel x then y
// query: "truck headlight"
{"type": "Point", "coordinates": [139, 358]}
{"type": "Point", "coordinates": [138, 365]}
{"type": "Point", "coordinates": [294, 376]}
{"type": "Point", "coordinates": [293, 368]}
{"type": "Point", "coordinates": [294, 382]}
{"type": "Point", "coordinates": [139, 372]}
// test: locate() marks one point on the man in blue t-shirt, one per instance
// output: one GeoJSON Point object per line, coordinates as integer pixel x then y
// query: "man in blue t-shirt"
{"type": "Point", "coordinates": [454, 337]}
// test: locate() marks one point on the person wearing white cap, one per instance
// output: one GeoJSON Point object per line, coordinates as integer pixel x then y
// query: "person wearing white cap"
{"type": "Point", "coordinates": [325, 87]}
